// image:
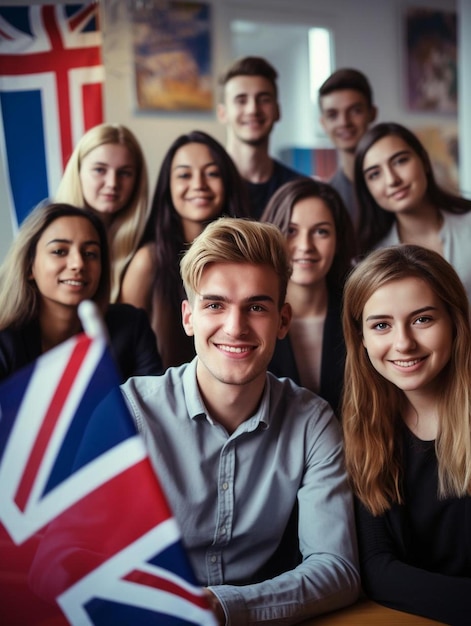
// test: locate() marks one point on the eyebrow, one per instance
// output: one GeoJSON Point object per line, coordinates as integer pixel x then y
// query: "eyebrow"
{"type": "Point", "coordinates": [412, 313]}
{"type": "Point", "coordinates": [209, 164]}
{"type": "Point", "coordinates": [393, 156]}
{"type": "Point", "coordinates": [329, 223]}
{"type": "Point", "coordinates": [216, 298]}
{"type": "Point", "coordinates": [257, 94]}
{"type": "Point", "coordinates": [120, 167]}
{"type": "Point", "coordinates": [87, 243]}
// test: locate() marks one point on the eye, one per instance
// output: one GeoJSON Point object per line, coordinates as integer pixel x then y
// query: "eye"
{"type": "Point", "coordinates": [91, 254]}
{"type": "Point", "coordinates": [213, 173]}
{"type": "Point", "coordinates": [214, 306]}
{"type": "Point", "coordinates": [59, 251]}
{"type": "Point", "coordinates": [99, 170]}
{"type": "Point", "coordinates": [401, 160]}
{"type": "Point", "coordinates": [380, 326]}
{"type": "Point", "coordinates": [323, 232]}
{"type": "Point", "coordinates": [291, 231]}
{"type": "Point", "coordinates": [257, 308]}
{"type": "Point", "coordinates": [372, 175]}
{"type": "Point", "coordinates": [126, 173]}
{"type": "Point", "coordinates": [423, 319]}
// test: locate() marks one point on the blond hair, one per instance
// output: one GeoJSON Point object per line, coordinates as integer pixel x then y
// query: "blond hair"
{"type": "Point", "coordinates": [236, 240]}
{"type": "Point", "coordinates": [372, 406]}
{"type": "Point", "coordinates": [128, 224]}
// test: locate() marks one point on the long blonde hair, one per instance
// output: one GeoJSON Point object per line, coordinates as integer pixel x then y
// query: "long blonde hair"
{"type": "Point", "coordinates": [128, 224]}
{"type": "Point", "coordinates": [372, 406]}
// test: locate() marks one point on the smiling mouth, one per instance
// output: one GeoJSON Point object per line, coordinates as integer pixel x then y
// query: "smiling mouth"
{"type": "Point", "coordinates": [234, 349]}
{"type": "Point", "coordinates": [408, 363]}
{"type": "Point", "coordinates": [74, 283]}
{"type": "Point", "coordinates": [400, 193]}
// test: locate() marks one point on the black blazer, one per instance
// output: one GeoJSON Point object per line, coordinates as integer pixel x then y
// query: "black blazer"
{"type": "Point", "coordinates": [132, 343]}
{"type": "Point", "coordinates": [283, 362]}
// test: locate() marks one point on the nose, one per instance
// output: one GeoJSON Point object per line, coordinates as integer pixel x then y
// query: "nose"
{"type": "Point", "coordinates": [391, 176]}
{"type": "Point", "coordinates": [75, 260]}
{"type": "Point", "coordinates": [235, 323]}
{"type": "Point", "coordinates": [111, 178]}
{"type": "Point", "coordinates": [404, 339]}
{"type": "Point", "coordinates": [251, 105]}
{"type": "Point", "coordinates": [199, 180]}
{"type": "Point", "coordinates": [305, 241]}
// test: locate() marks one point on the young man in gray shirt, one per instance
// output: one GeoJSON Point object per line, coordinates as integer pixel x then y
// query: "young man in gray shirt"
{"type": "Point", "coordinates": [252, 465]}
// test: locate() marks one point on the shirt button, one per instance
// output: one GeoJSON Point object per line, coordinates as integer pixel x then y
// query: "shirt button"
{"type": "Point", "coordinates": [214, 559]}
{"type": "Point", "coordinates": [225, 486]}
{"type": "Point", "coordinates": [223, 531]}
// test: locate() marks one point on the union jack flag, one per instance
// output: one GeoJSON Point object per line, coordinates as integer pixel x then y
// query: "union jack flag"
{"type": "Point", "coordinates": [86, 535]}
{"type": "Point", "coordinates": [51, 79]}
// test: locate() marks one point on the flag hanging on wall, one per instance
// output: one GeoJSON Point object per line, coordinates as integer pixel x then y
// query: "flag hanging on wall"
{"type": "Point", "coordinates": [86, 534]}
{"type": "Point", "coordinates": [51, 81]}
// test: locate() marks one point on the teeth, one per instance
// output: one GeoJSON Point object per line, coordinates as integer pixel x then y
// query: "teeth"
{"type": "Point", "coordinates": [233, 349]}
{"type": "Point", "coordinates": [407, 363]}
{"type": "Point", "coordinates": [74, 283]}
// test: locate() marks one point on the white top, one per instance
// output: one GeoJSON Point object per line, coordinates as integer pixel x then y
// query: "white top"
{"type": "Point", "coordinates": [455, 235]}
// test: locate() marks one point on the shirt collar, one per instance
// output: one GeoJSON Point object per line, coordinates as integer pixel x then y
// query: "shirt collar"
{"type": "Point", "coordinates": [195, 405]}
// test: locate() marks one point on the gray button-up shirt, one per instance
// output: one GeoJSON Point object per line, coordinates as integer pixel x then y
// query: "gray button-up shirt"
{"type": "Point", "coordinates": [233, 495]}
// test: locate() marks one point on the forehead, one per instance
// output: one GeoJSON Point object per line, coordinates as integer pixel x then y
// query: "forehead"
{"type": "Point", "coordinates": [402, 296]}
{"type": "Point", "coordinates": [343, 98]}
{"type": "Point", "coordinates": [385, 148]}
{"type": "Point", "coordinates": [311, 211]}
{"type": "Point", "coordinates": [192, 153]}
{"type": "Point", "coordinates": [248, 85]}
{"type": "Point", "coordinates": [239, 282]}
{"type": "Point", "coordinates": [73, 228]}
{"type": "Point", "coordinates": [113, 153]}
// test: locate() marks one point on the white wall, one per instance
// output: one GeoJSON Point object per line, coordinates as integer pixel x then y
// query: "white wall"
{"type": "Point", "coordinates": [367, 36]}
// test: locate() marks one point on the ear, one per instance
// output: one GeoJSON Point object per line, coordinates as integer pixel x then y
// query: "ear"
{"type": "Point", "coordinates": [187, 318]}
{"type": "Point", "coordinates": [221, 113]}
{"type": "Point", "coordinates": [286, 314]}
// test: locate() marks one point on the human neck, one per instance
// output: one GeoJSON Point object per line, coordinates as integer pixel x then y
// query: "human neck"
{"type": "Point", "coordinates": [230, 405]}
{"type": "Point", "coordinates": [253, 162]}
{"type": "Point", "coordinates": [191, 230]}
{"type": "Point", "coordinates": [57, 326]}
{"type": "Point", "coordinates": [417, 225]}
{"type": "Point", "coordinates": [308, 301]}
{"type": "Point", "coordinates": [347, 163]}
{"type": "Point", "coordinates": [421, 415]}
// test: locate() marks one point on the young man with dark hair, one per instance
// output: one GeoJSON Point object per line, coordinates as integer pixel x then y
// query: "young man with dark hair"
{"type": "Point", "coordinates": [252, 465]}
{"type": "Point", "coordinates": [250, 109]}
{"type": "Point", "coordinates": [347, 110]}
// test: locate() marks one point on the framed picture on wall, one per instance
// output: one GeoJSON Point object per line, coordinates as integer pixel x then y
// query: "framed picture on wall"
{"type": "Point", "coordinates": [431, 60]}
{"type": "Point", "coordinates": [172, 56]}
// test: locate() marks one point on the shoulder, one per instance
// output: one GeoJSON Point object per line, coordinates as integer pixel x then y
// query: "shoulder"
{"type": "Point", "coordinates": [18, 347]}
{"type": "Point", "coordinates": [143, 259]}
{"type": "Point", "coordinates": [152, 396]}
{"type": "Point", "coordinates": [457, 220]}
{"type": "Point", "coordinates": [284, 173]}
{"type": "Point", "coordinates": [291, 401]}
{"type": "Point", "coordinates": [119, 313]}
{"type": "Point", "coordinates": [391, 239]}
